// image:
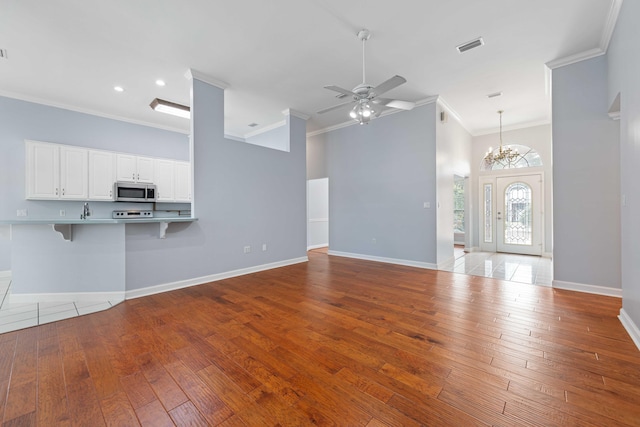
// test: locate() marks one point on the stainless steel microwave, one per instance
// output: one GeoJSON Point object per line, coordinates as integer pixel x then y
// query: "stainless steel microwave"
{"type": "Point", "coordinates": [134, 192]}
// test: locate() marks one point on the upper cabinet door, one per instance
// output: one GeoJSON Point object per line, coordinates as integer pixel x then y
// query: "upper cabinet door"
{"type": "Point", "coordinates": [145, 169]}
{"type": "Point", "coordinates": [182, 188]}
{"type": "Point", "coordinates": [43, 170]}
{"type": "Point", "coordinates": [126, 168]}
{"type": "Point", "coordinates": [164, 180]}
{"type": "Point", "coordinates": [101, 174]}
{"type": "Point", "coordinates": [74, 173]}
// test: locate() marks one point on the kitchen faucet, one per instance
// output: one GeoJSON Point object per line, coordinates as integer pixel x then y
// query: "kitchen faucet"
{"type": "Point", "coordinates": [85, 211]}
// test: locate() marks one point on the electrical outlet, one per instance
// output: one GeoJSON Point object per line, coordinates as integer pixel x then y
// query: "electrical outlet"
{"type": "Point", "coordinates": [264, 247]}
{"type": "Point", "coordinates": [62, 212]}
{"type": "Point", "coordinates": [22, 212]}
{"type": "Point", "coordinates": [247, 249]}
{"type": "Point", "coordinates": [427, 205]}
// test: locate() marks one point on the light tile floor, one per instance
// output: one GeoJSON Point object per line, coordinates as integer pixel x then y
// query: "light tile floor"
{"type": "Point", "coordinates": [19, 316]}
{"type": "Point", "coordinates": [515, 268]}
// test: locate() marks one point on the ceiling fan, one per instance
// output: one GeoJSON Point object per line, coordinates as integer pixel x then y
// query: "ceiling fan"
{"type": "Point", "coordinates": [368, 103]}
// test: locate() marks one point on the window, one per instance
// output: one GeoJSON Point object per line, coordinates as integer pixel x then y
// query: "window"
{"type": "Point", "coordinates": [458, 204]}
{"type": "Point", "coordinates": [528, 157]}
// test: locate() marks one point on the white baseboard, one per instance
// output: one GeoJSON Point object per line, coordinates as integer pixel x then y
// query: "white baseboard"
{"type": "Point", "coordinates": [631, 328]}
{"type": "Point", "coordinates": [65, 297]}
{"type": "Point", "coordinates": [151, 290]}
{"type": "Point", "coordinates": [408, 263]}
{"type": "Point", "coordinates": [458, 243]}
{"type": "Point", "coordinates": [322, 245]}
{"type": "Point", "coordinates": [440, 265]}
{"type": "Point", "coordinates": [590, 289]}
{"type": "Point", "coordinates": [5, 274]}
{"type": "Point", "coordinates": [472, 249]}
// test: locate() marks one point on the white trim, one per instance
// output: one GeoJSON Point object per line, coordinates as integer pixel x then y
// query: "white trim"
{"type": "Point", "coordinates": [265, 129]}
{"type": "Point", "coordinates": [460, 243]}
{"type": "Point", "coordinates": [406, 262]}
{"type": "Point", "coordinates": [448, 261]}
{"type": "Point", "coordinates": [631, 328]}
{"type": "Point", "coordinates": [296, 113]}
{"type": "Point", "coordinates": [5, 274]}
{"type": "Point", "coordinates": [614, 115]}
{"type": "Point", "coordinates": [194, 74]}
{"type": "Point", "coordinates": [152, 290]}
{"type": "Point", "coordinates": [512, 127]}
{"type": "Point", "coordinates": [420, 103]}
{"type": "Point", "coordinates": [82, 110]}
{"type": "Point", "coordinates": [578, 57]}
{"type": "Point", "coordinates": [547, 255]}
{"type": "Point", "coordinates": [321, 245]}
{"type": "Point", "coordinates": [65, 297]}
{"type": "Point", "coordinates": [610, 25]}
{"type": "Point", "coordinates": [318, 219]}
{"type": "Point", "coordinates": [451, 111]}
{"type": "Point", "coordinates": [590, 289]}
{"type": "Point", "coordinates": [234, 137]}
{"type": "Point", "coordinates": [471, 249]}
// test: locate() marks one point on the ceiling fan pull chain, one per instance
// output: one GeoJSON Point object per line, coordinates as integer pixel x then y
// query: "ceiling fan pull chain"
{"type": "Point", "coordinates": [363, 73]}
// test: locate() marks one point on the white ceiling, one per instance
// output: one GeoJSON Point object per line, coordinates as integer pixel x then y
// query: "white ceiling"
{"type": "Point", "coordinates": [279, 54]}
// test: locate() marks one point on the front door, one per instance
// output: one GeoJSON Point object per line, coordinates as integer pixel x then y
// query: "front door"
{"type": "Point", "coordinates": [512, 214]}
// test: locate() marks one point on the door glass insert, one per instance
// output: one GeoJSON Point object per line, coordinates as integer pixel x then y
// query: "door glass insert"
{"type": "Point", "coordinates": [488, 214]}
{"type": "Point", "coordinates": [517, 218]}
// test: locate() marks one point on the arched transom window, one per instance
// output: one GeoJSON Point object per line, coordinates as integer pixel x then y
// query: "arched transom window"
{"type": "Point", "coordinates": [527, 157]}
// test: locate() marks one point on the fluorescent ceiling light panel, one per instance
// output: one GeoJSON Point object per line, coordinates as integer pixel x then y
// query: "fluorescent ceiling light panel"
{"type": "Point", "coordinates": [169, 107]}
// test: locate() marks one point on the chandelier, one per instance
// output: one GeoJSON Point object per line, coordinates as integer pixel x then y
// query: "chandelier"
{"type": "Point", "coordinates": [504, 156]}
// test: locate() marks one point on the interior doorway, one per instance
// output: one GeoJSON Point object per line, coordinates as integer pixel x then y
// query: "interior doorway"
{"type": "Point", "coordinates": [317, 213]}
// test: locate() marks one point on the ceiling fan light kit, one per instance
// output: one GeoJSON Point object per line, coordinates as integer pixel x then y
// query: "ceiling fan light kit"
{"type": "Point", "coordinates": [368, 105]}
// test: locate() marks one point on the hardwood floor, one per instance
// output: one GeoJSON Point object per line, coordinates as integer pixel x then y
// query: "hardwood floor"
{"type": "Point", "coordinates": [335, 341]}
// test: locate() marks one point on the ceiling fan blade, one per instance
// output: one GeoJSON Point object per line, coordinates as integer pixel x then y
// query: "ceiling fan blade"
{"type": "Point", "coordinates": [341, 90]}
{"type": "Point", "coordinates": [386, 86]}
{"type": "Point", "coordinates": [395, 103]}
{"type": "Point", "coordinates": [335, 107]}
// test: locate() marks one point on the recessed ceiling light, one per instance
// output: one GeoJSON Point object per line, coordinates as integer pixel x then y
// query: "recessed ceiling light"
{"type": "Point", "coordinates": [160, 82]}
{"type": "Point", "coordinates": [170, 108]}
{"type": "Point", "coordinates": [118, 88]}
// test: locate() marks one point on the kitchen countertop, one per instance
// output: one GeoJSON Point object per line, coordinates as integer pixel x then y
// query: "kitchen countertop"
{"type": "Point", "coordinates": [96, 221]}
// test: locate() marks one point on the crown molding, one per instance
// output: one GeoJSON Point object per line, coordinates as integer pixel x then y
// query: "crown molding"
{"type": "Point", "coordinates": [605, 38]}
{"type": "Point", "coordinates": [296, 113]}
{"type": "Point", "coordinates": [234, 137]}
{"type": "Point", "coordinates": [614, 115]}
{"type": "Point", "coordinates": [194, 74]}
{"type": "Point", "coordinates": [429, 100]}
{"type": "Point", "coordinates": [610, 25]}
{"type": "Point", "coordinates": [518, 126]}
{"type": "Point", "coordinates": [577, 57]}
{"type": "Point", "coordinates": [452, 112]}
{"type": "Point", "coordinates": [76, 109]}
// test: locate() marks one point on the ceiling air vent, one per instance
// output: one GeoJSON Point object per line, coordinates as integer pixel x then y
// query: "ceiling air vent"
{"type": "Point", "coordinates": [252, 125]}
{"type": "Point", "coordinates": [494, 95]}
{"type": "Point", "coordinates": [3, 53]}
{"type": "Point", "coordinates": [470, 45]}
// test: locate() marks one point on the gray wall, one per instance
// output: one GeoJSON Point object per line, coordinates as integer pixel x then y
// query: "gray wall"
{"type": "Point", "coordinates": [380, 175]}
{"type": "Point", "coordinates": [316, 157]}
{"type": "Point", "coordinates": [624, 71]}
{"type": "Point", "coordinates": [26, 120]}
{"type": "Point", "coordinates": [245, 195]}
{"type": "Point", "coordinates": [586, 178]}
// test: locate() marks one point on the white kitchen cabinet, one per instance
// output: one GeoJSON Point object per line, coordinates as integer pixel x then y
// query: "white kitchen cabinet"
{"type": "Point", "coordinates": [74, 170]}
{"type": "Point", "coordinates": [101, 174]}
{"type": "Point", "coordinates": [56, 172]}
{"type": "Point", "coordinates": [43, 170]}
{"type": "Point", "coordinates": [164, 180]}
{"type": "Point", "coordinates": [132, 168]}
{"type": "Point", "coordinates": [182, 179]}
